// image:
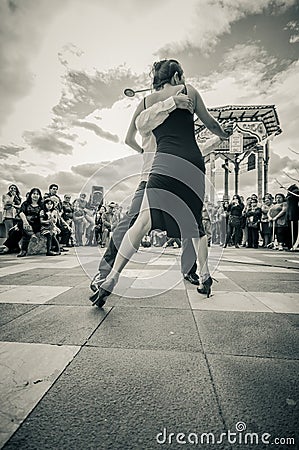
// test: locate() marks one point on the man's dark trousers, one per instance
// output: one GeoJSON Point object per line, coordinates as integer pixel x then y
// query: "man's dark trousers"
{"type": "Point", "coordinates": [188, 258]}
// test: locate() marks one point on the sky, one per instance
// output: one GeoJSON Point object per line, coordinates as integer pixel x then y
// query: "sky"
{"type": "Point", "coordinates": [65, 64]}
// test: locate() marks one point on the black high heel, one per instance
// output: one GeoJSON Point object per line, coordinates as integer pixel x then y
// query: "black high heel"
{"type": "Point", "coordinates": [99, 297]}
{"type": "Point", "coordinates": [206, 289]}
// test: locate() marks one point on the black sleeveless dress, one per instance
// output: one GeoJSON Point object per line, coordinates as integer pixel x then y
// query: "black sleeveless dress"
{"type": "Point", "coordinates": [176, 184]}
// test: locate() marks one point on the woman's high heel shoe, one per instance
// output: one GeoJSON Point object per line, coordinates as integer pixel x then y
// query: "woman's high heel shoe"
{"type": "Point", "coordinates": [99, 297]}
{"type": "Point", "coordinates": [206, 289]}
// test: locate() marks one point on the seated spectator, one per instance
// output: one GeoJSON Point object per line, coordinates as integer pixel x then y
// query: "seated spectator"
{"type": "Point", "coordinates": [173, 242]}
{"type": "Point", "coordinates": [30, 216]}
{"type": "Point", "coordinates": [65, 230]}
{"type": "Point", "coordinates": [146, 241]}
{"type": "Point", "coordinates": [53, 192]}
{"type": "Point", "coordinates": [48, 220]}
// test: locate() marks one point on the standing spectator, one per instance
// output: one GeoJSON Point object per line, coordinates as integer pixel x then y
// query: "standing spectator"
{"type": "Point", "coordinates": [266, 229]}
{"type": "Point", "coordinates": [90, 224]}
{"type": "Point", "coordinates": [67, 216]}
{"type": "Point", "coordinates": [100, 231]}
{"type": "Point", "coordinates": [293, 216]}
{"type": "Point", "coordinates": [78, 218]}
{"type": "Point", "coordinates": [278, 218]}
{"type": "Point", "coordinates": [221, 222]}
{"type": "Point", "coordinates": [235, 209]}
{"type": "Point", "coordinates": [253, 216]}
{"type": "Point", "coordinates": [11, 206]}
{"type": "Point", "coordinates": [110, 215]}
{"type": "Point", "coordinates": [247, 207]}
{"type": "Point", "coordinates": [206, 222]}
{"type": "Point", "coordinates": [48, 220]}
{"type": "Point", "coordinates": [30, 215]}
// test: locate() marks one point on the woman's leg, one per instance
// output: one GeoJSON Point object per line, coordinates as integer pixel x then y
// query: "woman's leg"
{"type": "Point", "coordinates": [201, 244]}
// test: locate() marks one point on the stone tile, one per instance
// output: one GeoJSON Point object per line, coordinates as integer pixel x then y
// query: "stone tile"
{"type": "Point", "coordinates": [260, 282]}
{"type": "Point", "coordinates": [26, 277]}
{"type": "Point", "coordinates": [148, 328]}
{"type": "Point", "coordinates": [61, 280]}
{"type": "Point", "coordinates": [121, 399]}
{"type": "Point", "coordinates": [247, 333]}
{"type": "Point", "coordinates": [61, 325]}
{"type": "Point", "coordinates": [7, 287]}
{"type": "Point", "coordinates": [279, 302]}
{"type": "Point", "coordinates": [27, 372]}
{"type": "Point", "coordinates": [227, 301]}
{"type": "Point", "coordinates": [163, 281]}
{"type": "Point", "coordinates": [292, 319]}
{"type": "Point", "coordinates": [73, 296]}
{"type": "Point", "coordinates": [152, 298]}
{"type": "Point", "coordinates": [219, 275]}
{"type": "Point", "coordinates": [224, 284]}
{"type": "Point", "coordinates": [251, 268]}
{"type": "Point", "coordinates": [31, 294]}
{"type": "Point", "coordinates": [9, 311]}
{"type": "Point", "coordinates": [259, 392]}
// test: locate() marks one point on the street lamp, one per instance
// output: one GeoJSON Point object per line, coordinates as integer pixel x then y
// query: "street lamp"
{"type": "Point", "coordinates": [130, 92]}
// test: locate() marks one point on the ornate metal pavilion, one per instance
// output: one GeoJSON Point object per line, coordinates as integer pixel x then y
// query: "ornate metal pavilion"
{"type": "Point", "coordinates": [254, 127]}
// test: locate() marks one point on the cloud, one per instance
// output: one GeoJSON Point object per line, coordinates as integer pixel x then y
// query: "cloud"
{"type": "Point", "coordinates": [49, 141]}
{"type": "Point", "coordinates": [8, 150]}
{"type": "Point", "coordinates": [22, 30]}
{"type": "Point", "coordinates": [209, 20]}
{"type": "Point", "coordinates": [84, 93]}
{"type": "Point", "coordinates": [97, 130]}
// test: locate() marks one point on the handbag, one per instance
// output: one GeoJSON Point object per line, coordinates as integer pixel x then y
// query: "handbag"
{"type": "Point", "coordinates": [234, 221]}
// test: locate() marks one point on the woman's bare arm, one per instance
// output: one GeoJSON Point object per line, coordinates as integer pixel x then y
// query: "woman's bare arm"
{"type": "Point", "coordinates": [132, 130]}
{"type": "Point", "coordinates": [204, 115]}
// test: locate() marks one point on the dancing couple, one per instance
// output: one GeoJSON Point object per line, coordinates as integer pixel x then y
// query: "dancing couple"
{"type": "Point", "coordinates": [172, 197]}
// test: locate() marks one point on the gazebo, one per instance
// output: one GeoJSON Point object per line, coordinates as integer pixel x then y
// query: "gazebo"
{"type": "Point", "coordinates": [254, 127]}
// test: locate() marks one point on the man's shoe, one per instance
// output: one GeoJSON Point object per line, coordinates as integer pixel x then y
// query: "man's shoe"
{"type": "Point", "coordinates": [63, 250]}
{"type": "Point", "coordinates": [96, 282]}
{"type": "Point", "coordinates": [192, 278]}
{"type": "Point", "coordinates": [23, 253]}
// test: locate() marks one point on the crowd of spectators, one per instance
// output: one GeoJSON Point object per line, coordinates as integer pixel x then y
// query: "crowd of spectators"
{"type": "Point", "coordinates": [60, 223]}
{"type": "Point", "coordinates": [270, 223]}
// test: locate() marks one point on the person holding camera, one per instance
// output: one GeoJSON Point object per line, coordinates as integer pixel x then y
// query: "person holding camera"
{"type": "Point", "coordinates": [234, 229]}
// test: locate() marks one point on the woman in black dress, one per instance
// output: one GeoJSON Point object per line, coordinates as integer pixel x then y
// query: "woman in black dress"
{"type": "Point", "coordinates": [176, 185]}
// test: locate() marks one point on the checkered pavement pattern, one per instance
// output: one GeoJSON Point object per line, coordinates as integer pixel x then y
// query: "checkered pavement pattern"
{"type": "Point", "coordinates": [47, 321]}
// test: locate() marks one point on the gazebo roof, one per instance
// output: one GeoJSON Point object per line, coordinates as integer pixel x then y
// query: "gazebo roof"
{"type": "Point", "coordinates": [249, 113]}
